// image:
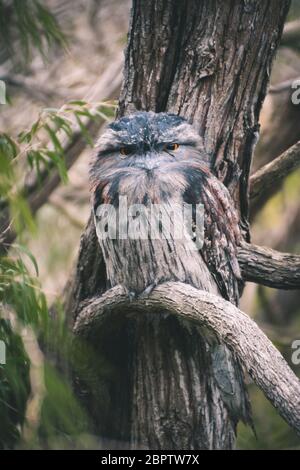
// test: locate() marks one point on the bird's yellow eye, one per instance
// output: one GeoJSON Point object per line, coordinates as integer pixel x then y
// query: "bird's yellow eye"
{"type": "Point", "coordinates": [171, 147]}
{"type": "Point", "coordinates": [125, 151]}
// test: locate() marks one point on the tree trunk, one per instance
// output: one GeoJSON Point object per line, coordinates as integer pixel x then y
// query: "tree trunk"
{"type": "Point", "coordinates": [210, 62]}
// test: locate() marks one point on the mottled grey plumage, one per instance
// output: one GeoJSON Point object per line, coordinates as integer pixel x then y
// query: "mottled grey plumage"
{"type": "Point", "coordinates": [151, 172]}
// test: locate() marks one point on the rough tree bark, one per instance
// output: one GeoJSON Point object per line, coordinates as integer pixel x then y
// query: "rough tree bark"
{"type": "Point", "coordinates": [209, 61]}
{"type": "Point", "coordinates": [269, 267]}
{"type": "Point", "coordinates": [225, 321]}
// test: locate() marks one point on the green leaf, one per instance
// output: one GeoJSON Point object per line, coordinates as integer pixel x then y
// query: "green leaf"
{"type": "Point", "coordinates": [60, 164]}
{"type": "Point", "coordinates": [25, 250]}
{"type": "Point", "coordinates": [57, 145]}
{"type": "Point", "coordinates": [84, 131]}
{"type": "Point", "coordinates": [78, 102]}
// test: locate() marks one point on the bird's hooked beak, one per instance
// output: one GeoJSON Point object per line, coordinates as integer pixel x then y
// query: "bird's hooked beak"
{"type": "Point", "coordinates": [150, 161]}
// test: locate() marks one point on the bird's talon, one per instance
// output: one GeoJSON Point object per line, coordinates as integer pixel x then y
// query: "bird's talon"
{"type": "Point", "coordinates": [132, 296]}
{"type": "Point", "coordinates": [147, 291]}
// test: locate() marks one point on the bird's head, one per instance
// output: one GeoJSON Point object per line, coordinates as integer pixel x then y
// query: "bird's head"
{"type": "Point", "coordinates": [147, 140]}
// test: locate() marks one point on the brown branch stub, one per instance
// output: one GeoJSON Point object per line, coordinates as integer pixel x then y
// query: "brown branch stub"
{"type": "Point", "coordinates": [286, 85]}
{"type": "Point", "coordinates": [267, 180]}
{"type": "Point", "coordinates": [291, 34]}
{"type": "Point", "coordinates": [230, 325]}
{"type": "Point", "coordinates": [269, 267]}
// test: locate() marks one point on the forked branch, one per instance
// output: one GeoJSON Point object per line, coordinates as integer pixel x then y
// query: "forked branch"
{"type": "Point", "coordinates": [268, 179]}
{"type": "Point", "coordinates": [230, 325]}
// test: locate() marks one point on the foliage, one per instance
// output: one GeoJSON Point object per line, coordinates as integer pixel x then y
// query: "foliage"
{"type": "Point", "coordinates": [27, 328]}
{"type": "Point", "coordinates": [23, 304]}
{"type": "Point", "coordinates": [27, 25]}
{"type": "Point", "coordinates": [39, 150]}
{"type": "Point", "coordinates": [43, 148]}
{"type": "Point", "coordinates": [14, 386]}
{"type": "Point", "coordinates": [272, 431]}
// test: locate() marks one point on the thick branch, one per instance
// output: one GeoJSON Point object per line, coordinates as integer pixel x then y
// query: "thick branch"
{"type": "Point", "coordinates": [261, 359]}
{"type": "Point", "coordinates": [181, 57]}
{"type": "Point", "coordinates": [268, 179]}
{"type": "Point", "coordinates": [269, 267]}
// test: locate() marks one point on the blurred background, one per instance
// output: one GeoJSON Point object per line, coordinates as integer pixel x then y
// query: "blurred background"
{"type": "Point", "coordinates": [81, 62]}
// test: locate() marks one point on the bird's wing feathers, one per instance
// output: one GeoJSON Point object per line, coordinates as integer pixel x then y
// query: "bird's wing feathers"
{"type": "Point", "coordinates": [221, 238]}
{"type": "Point", "coordinates": [221, 231]}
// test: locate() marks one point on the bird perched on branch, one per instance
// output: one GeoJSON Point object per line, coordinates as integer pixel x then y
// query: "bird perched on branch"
{"type": "Point", "coordinates": [157, 159]}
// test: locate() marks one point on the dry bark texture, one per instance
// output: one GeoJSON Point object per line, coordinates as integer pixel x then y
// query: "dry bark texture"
{"type": "Point", "coordinates": [269, 267]}
{"type": "Point", "coordinates": [226, 322]}
{"type": "Point", "coordinates": [209, 61]}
